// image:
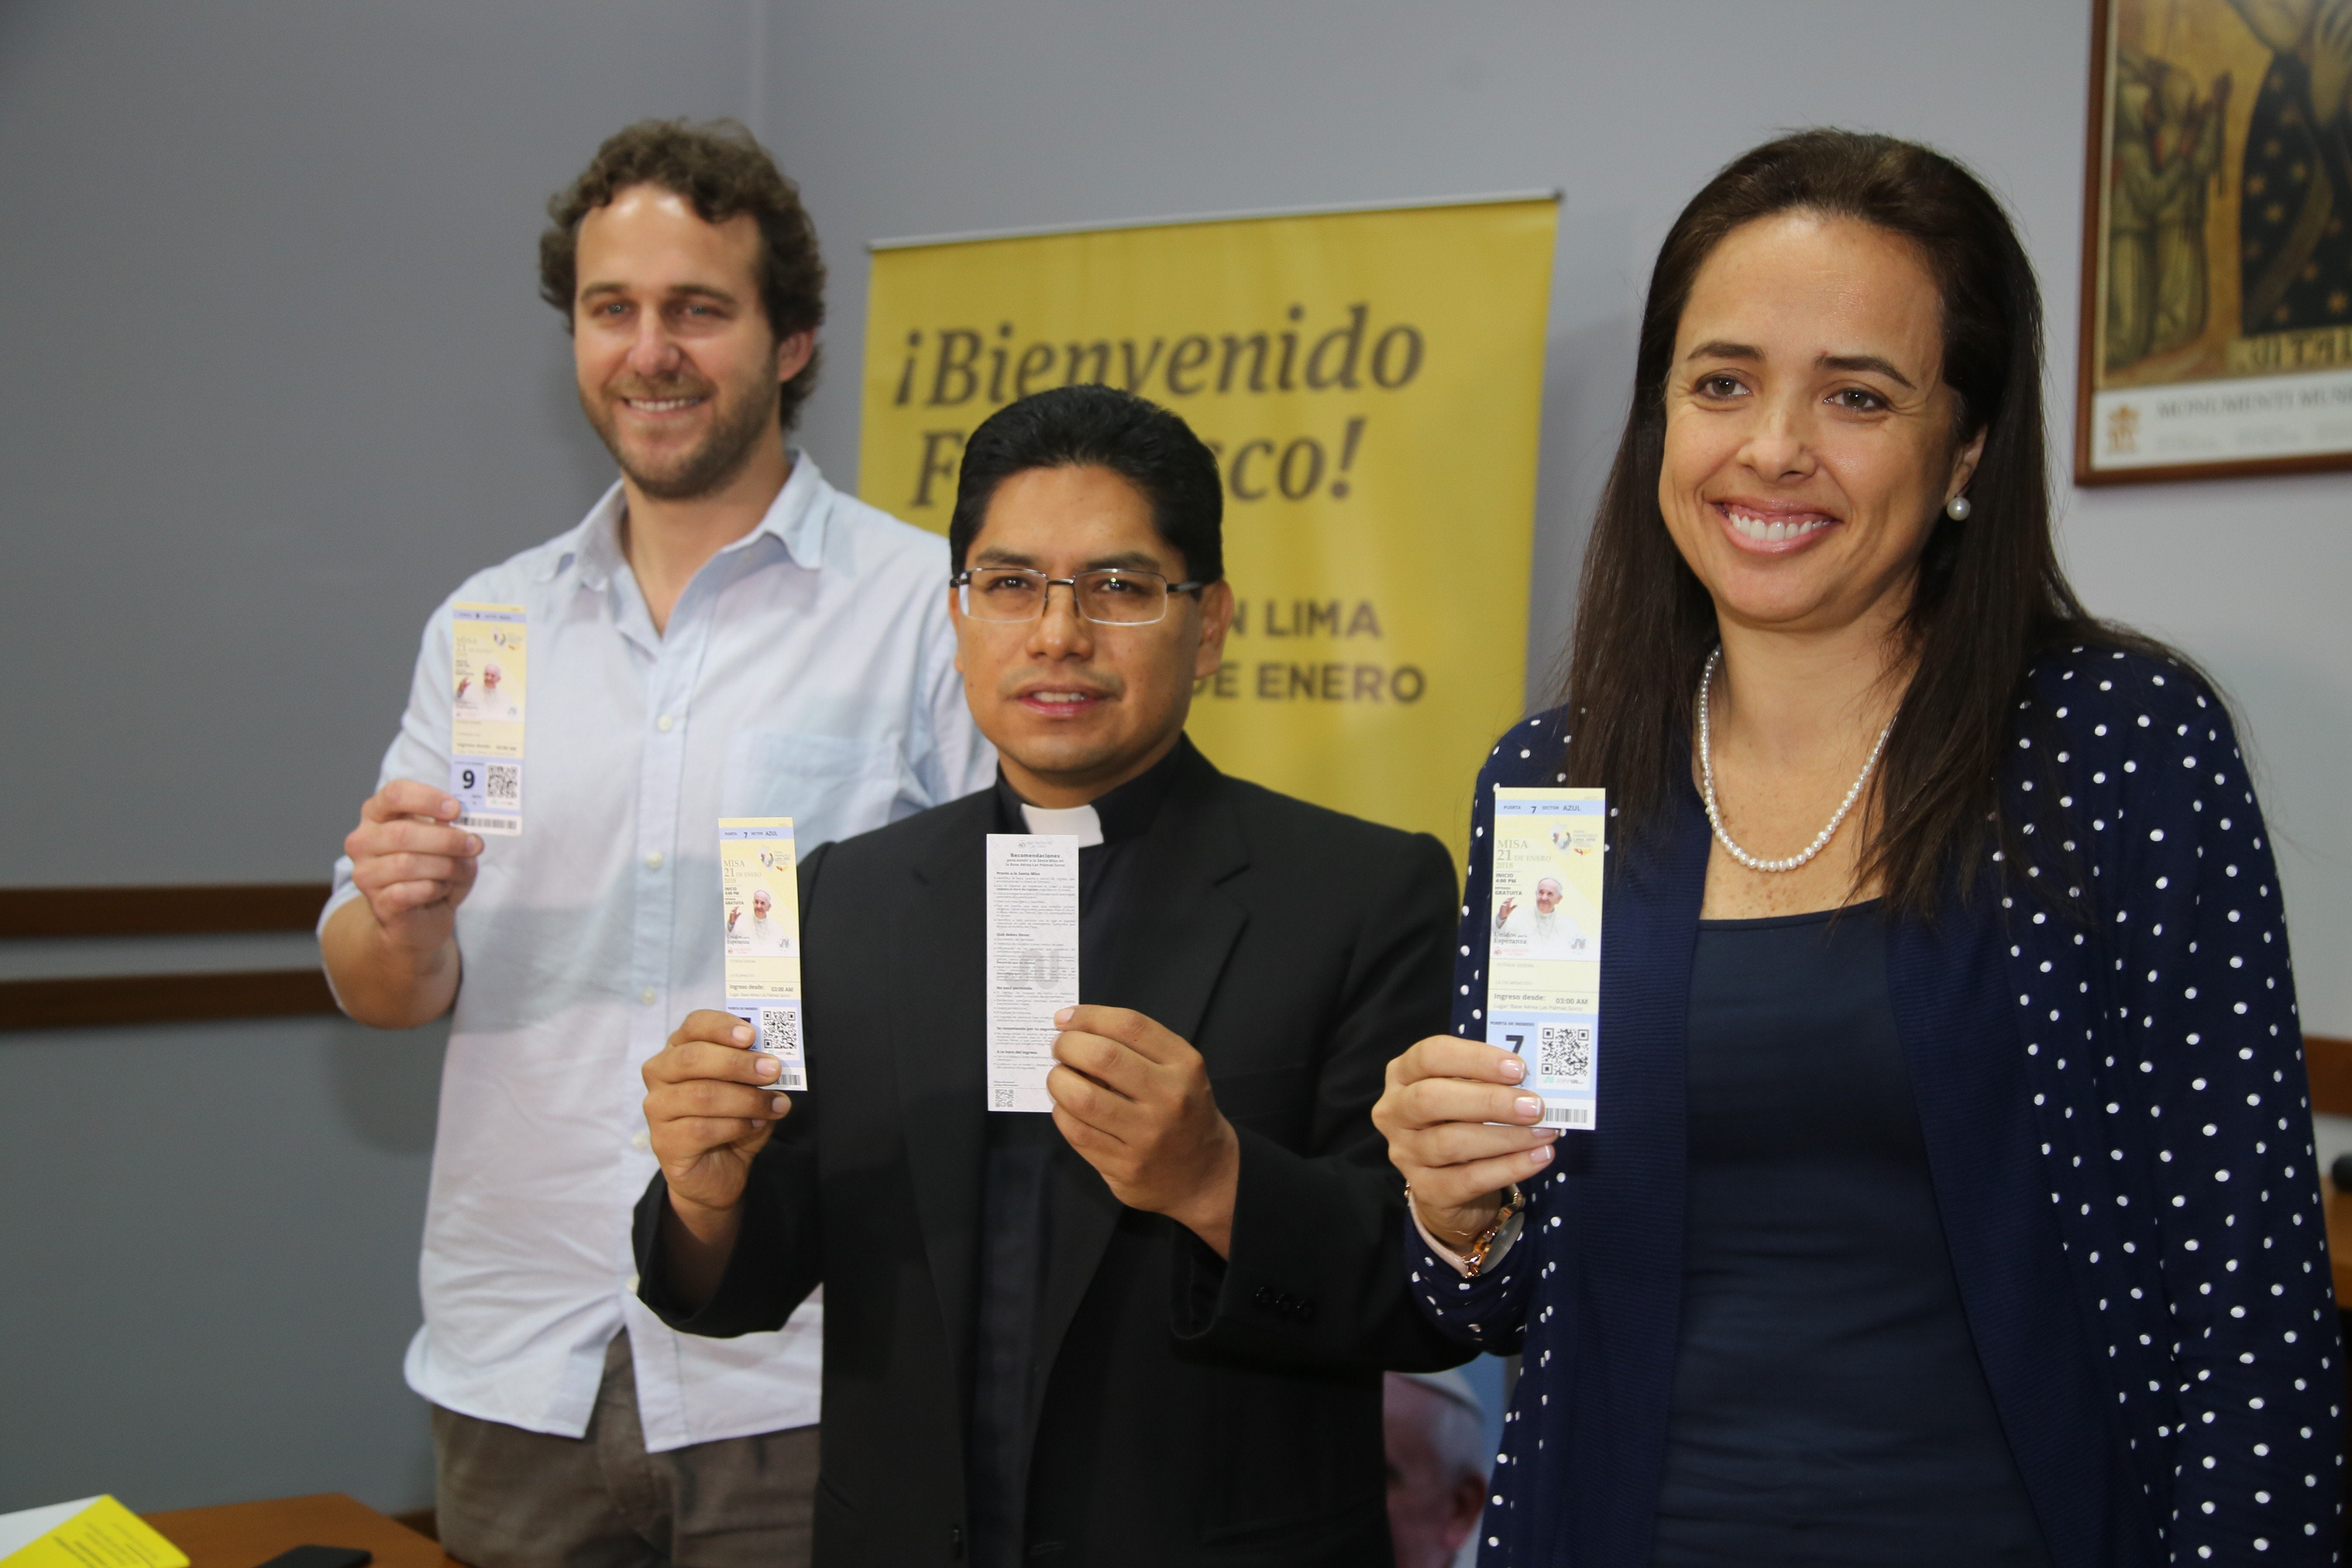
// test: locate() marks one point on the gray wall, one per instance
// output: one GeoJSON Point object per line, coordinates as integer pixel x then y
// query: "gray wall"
{"type": "Point", "coordinates": [211, 1262]}
{"type": "Point", "coordinates": [276, 378]}
{"type": "Point", "coordinates": [280, 379]}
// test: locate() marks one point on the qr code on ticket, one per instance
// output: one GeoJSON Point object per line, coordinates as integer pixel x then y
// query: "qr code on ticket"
{"type": "Point", "coordinates": [1564, 1051]}
{"type": "Point", "coordinates": [780, 1032]}
{"type": "Point", "coordinates": [1003, 1093]}
{"type": "Point", "coordinates": [502, 783]}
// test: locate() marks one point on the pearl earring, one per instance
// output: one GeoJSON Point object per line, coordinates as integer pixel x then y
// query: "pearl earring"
{"type": "Point", "coordinates": [1957, 508]}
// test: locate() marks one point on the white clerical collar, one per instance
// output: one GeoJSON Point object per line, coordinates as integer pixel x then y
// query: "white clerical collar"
{"type": "Point", "coordinates": [1081, 822]}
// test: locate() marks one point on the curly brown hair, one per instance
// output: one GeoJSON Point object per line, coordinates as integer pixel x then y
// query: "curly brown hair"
{"type": "Point", "coordinates": [723, 172]}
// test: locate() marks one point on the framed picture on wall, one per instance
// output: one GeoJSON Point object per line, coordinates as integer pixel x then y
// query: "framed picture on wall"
{"type": "Point", "coordinates": [2216, 244]}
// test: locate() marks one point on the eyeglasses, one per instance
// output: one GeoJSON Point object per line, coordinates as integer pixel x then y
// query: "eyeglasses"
{"type": "Point", "coordinates": [1115, 598]}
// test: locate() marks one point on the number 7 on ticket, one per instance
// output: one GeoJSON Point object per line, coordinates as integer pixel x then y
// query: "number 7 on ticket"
{"type": "Point", "coordinates": [1543, 970]}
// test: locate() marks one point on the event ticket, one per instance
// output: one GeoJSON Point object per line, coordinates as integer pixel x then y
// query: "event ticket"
{"type": "Point", "coordinates": [486, 717]}
{"type": "Point", "coordinates": [1543, 971]}
{"type": "Point", "coordinates": [1032, 961]}
{"type": "Point", "coordinates": [759, 885]}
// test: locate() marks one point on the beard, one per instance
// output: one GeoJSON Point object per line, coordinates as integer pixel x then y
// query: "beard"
{"type": "Point", "coordinates": [710, 463]}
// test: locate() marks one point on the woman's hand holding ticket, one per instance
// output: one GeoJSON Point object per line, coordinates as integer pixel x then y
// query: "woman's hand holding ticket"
{"type": "Point", "coordinates": [1461, 1129]}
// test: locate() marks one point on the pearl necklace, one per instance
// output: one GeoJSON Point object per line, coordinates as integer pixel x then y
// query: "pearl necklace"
{"type": "Point", "coordinates": [1715, 813]}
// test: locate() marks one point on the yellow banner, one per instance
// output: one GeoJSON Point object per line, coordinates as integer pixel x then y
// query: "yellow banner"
{"type": "Point", "coordinates": [1370, 382]}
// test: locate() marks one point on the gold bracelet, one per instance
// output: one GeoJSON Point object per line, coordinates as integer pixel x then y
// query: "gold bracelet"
{"type": "Point", "coordinates": [1512, 1205]}
{"type": "Point", "coordinates": [1514, 1202]}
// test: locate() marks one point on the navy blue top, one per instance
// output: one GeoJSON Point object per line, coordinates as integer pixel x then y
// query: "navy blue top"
{"type": "Point", "coordinates": [2118, 1132]}
{"type": "Point", "coordinates": [1828, 1405]}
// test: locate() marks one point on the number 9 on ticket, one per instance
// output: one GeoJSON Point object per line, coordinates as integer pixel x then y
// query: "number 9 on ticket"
{"type": "Point", "coordinates": [487, 677]}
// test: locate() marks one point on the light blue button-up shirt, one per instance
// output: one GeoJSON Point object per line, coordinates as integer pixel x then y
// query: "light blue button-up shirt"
{"type": "Point", "coordinates": [805, 672]}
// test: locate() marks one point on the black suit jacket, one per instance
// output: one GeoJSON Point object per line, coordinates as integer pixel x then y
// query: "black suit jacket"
{"type": "Point", "coordinates": [1187, 1409]}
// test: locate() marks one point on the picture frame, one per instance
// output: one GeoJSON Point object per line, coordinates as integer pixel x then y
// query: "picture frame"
{"type": "Point", "coordinates": [2216, 330]}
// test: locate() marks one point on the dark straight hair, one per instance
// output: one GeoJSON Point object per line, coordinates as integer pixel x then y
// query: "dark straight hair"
{"type": "Point", "coordinates": [1091, 426]}
{"type": "Point", "coordinates": [1990, 594]}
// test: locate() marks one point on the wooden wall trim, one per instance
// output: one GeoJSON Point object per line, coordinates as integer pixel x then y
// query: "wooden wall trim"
{"type": "Point", "coordinates": [185, 910]}
{"type": "Point", "coordinates": [114, 1000]}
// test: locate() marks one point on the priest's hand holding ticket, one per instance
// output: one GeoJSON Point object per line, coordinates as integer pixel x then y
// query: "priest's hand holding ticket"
{"type": "Point", "coordinates": [1134, 1100]}
{"type": "Point", "coordinates": [1462, 1130]}
{"type": "Point", "coordinates": [709, 1113]}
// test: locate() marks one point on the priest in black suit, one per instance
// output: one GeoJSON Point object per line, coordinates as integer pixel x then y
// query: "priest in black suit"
{"type": "Point", "coordinates": [1149, 1328]}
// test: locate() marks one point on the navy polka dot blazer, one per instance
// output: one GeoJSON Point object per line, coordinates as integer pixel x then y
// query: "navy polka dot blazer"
{"type": "Point", "coordinates": [2117, 1130]}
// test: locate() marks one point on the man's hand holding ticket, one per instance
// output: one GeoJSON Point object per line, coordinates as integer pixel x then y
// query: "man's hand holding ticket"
{"type": "Point", "coordinates": [411, 863]}
{"type": "Point", "coordinates": [708, 1112]}
{"type": "Point", "coordinates": [393, 950]}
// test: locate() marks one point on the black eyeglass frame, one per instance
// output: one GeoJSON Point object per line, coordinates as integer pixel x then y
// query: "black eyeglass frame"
{"type": "Point", "coordinates": [962, 580]}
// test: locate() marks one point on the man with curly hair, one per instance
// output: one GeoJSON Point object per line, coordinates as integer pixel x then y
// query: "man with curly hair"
{"type": "Point", "coordinates": [725, 633]}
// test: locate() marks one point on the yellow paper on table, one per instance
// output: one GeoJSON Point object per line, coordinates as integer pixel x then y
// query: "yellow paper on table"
{"type": "Point", "coordinates": [759, 882]}
{"type": "Point", "coordinates": [1371, 383]}
{"type": "Point", "coordinates": [1543, 969]}
{"type": "Point", "coordinates": [486, 677]}
{"type": "Point", "coordinates": [91, 1533]}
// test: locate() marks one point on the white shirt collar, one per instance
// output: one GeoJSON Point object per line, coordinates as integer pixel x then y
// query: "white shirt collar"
{"type": "Point", "coordinates": [796, 518]}
{"type": "Point", "coordinates": [1081, 821]}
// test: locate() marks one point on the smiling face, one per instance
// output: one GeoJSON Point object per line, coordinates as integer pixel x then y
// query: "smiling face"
{"type": "Point", "coordinates": [491, 676]}
{"type": "Point", "coordinates": [1547, 895]}
{"type": "Point", "coordinates": [762, 902]}
{"type": "Point", "coordinates": [1809, 439]}
{"type": "Point", "coordinates": [676, 365]}
{"type": "Point", "coordinates": [1072, 707]}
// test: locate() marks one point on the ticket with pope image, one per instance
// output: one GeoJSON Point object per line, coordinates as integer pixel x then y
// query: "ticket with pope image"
{"type": "Point", "coordinates": [1543, 975]}
{"type": "Point", "coordinates": [759, 890]}
{"type": "Point", "coordinates": [486, 677]}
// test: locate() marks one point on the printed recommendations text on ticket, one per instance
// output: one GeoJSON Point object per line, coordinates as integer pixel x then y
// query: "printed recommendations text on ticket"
{"type": "Point", "coordinates": [1033, 962]}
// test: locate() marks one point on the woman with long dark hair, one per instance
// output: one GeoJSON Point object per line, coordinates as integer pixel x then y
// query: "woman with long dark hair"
{"type": "Point", "coordinates": [1951, 1198]}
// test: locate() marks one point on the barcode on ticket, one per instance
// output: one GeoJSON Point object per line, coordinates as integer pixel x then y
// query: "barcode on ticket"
{"type": "Point", "coordinates": [490, 795]}
{"type": "Point", "coordinates": [780, 1034]}
{"type": "Point", "coordinates": [1564, 1051]}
